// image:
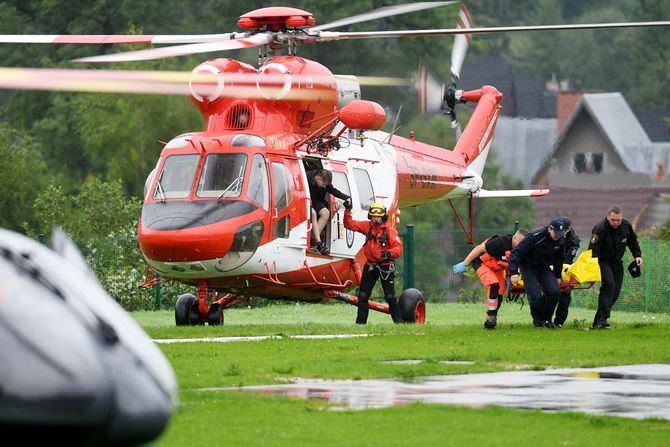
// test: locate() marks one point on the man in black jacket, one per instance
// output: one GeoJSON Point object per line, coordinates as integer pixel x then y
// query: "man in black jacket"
{"type": "Point", "coordinates": [321, 182]}
{"type": "Point", "coordinates": [565, 296]}
{"type": "Point", "coordinates": [609, 240]}
{"type": "Point", "coordinates": [540, 249]}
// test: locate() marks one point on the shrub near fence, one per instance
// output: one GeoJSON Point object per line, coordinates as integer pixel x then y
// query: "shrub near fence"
{"type": "Point", "coordinates": [118, 263]}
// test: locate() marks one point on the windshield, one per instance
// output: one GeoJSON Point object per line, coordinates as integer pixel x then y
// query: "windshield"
{"type": "Point", "coordinates": [177, 176]}
{"type": "Point", "coordinates": [222, 176]}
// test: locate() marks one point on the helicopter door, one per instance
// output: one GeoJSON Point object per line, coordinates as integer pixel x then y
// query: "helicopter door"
{"type": "Point", "coordinates": [339, 245]}
{"type": "Point", "coordinates": [285, 211]}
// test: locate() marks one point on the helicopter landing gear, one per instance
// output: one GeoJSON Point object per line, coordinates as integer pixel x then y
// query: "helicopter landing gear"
{"type": "Point", "coordinates": [182, 308]}
{"type": "Point", "coordinates": [190, 310]}
{"type": "Point", "coordinates": [413, 306]}
{"type": "Point", "coordinates": [215, 315]}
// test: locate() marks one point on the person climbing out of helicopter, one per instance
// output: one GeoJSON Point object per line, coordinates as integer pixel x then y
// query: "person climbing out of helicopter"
{"type": "Point", "coordinates": [382, 247]}
{"type": "Point", "coordinates": [321, 182]}
{"type": "Point", "coordinates": [489, 259]}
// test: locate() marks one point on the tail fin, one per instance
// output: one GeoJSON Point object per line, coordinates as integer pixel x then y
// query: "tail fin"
{"type": "Point", "coordinates": [476, 138]}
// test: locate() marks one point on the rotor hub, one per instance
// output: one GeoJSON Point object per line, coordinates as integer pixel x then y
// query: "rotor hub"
{"type": "Point", "coordinates": [276, 18]}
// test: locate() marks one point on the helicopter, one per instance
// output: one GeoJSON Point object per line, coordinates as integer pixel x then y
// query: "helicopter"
{"type": "Point", "coordinates": [227, 209]}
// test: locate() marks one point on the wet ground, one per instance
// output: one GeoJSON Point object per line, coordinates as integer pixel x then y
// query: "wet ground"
{"type": "Point", "coordinates": [634, 391]}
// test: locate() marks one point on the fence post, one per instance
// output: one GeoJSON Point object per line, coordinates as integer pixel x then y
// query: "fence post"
{"type": "Point", "coordinates": [408, 258]}
{"type": "Point", "coordinates": [516, 226]}
{"type": "Point", "coordinates": [647, 274]}
{"type": "Point", "coordinates": [158, 292]}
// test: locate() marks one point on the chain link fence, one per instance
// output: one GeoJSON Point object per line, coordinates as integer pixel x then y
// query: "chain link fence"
{"type": "Point", "coordinates": [436, 251]}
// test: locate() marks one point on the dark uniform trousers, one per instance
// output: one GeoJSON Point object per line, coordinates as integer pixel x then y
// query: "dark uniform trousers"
{"type": "Point", "coordinates": [368, 280]}
{"type": "Point", "coordinates": [542, 306]}
{"type": "Point", "coordinates": [611, 275]}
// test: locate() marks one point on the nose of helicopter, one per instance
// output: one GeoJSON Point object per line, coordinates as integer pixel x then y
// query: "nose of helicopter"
{"type": "Point", "coordinates": [175, 237]}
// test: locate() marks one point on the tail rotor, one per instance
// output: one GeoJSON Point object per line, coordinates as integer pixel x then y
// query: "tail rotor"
{"type": "Point", "coordinates": [435, 96]}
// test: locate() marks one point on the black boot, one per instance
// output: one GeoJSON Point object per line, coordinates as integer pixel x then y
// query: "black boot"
{"type": "Point", "coordinates": [363, 309]}
{"type": "Point", "coordinates": [394, 309]}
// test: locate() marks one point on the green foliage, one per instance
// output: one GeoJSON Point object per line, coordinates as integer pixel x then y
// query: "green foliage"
{"type": "Point", "coordinates": [98, 209]}
{"type": "Point", "coordinates": [23, 175]}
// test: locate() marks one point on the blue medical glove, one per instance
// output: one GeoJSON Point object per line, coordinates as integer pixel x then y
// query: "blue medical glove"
{"type": "Point", "coordinates": [459, 268]}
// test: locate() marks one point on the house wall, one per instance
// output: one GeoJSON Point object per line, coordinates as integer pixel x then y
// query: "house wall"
{"type": "Point", "coordinates": [584, 136]}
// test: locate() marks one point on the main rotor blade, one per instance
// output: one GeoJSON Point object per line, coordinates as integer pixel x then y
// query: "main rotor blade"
{"type": "Point", "coordinates": [335, 35]}
{"type": "Point", "coordinates": [379, 13]}
{"type": "Point", "coordinates": [113, 39]}
{"type": "Point", "coordinates": [461, 43]}
{"type": "Point", "coordinates": [238, 85]}
{"type": "Point", "coordinates": [182, 50]}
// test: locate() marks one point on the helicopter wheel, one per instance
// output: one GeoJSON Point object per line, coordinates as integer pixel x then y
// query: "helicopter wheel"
{"type": "Point", "coordinates": [182, 308]}
{"type": "Point", "coordinates": [413, 306]}
{"type": "Point", "coordinates": [215, 315]}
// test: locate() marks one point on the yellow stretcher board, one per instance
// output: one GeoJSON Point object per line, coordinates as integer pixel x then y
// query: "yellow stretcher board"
{"type": "Point", "coordinates": [581, 274]}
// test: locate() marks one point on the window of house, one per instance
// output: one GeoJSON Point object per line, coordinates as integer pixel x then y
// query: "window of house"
{"type": "Point", "coordinates": [588, 162]}
{"type": "Point", "coordinates": [579, 163]}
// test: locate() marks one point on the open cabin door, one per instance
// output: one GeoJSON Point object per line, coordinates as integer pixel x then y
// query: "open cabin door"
{"type": "Point", "coordinates": [341, 240]}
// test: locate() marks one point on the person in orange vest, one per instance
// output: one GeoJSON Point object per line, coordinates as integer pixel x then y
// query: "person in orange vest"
{"type": "Point", "coordinates": [489, 259]}
{"type": "Point", "coordinates": [382, 247]}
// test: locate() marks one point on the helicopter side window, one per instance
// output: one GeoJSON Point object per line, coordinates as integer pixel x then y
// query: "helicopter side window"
{"type": "Point", "coordinates": [247, 140]}
{"type": "Point", "coordinates": [282, 185]}
{"type": "Point", "coordinates": [365, 192]}
{"type": "Point", "coordinates": [177, 176]}
{"type": "Point", "coordinates": [340, 183]}
{"type": "Point", "coordinates": [222, 176]}
{"type": "Point", "coordinates": [258, 182]}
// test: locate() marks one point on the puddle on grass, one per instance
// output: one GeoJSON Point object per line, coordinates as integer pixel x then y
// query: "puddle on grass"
{"type": "Point", "coordinates": [634, 391]}
{"type": "Point", "coordinates": [255, 338]}
{"type": "Point", "coordinates": [419, 361]}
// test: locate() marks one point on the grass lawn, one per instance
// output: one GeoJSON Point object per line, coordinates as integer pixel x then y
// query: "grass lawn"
{"type": "Point", "coordinates": [452, 332]}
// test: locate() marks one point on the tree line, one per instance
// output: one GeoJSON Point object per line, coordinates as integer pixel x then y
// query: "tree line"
{"type": "Point", "coordinates": [57, 145]}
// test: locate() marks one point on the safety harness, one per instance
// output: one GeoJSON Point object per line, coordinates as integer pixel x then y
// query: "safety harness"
{"type": "Point", "coordinates": [386, 269]}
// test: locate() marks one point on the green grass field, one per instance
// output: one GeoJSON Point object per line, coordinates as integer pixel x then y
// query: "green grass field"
{"type": "Point", "coordinates": [452, 332]}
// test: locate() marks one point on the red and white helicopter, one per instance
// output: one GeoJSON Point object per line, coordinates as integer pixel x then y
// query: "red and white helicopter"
{"type": "Point", "coordinates": [227, 209]}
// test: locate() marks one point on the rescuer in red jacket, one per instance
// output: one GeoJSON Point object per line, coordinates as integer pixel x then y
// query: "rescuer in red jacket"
{"type": "Point", "coordinates": [382, 247]}
{"type": "Point", "coordinates": [489, 259]}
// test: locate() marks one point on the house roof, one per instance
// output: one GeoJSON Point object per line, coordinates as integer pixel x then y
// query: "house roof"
{"type": "Point", "coordinates": [620, 127]}
{"type": "Point", "coordinates": [653, 122]}
{"type": "Point", "coordinates": [523, 96]}
{"type": "Point", "coordinates": [520, 145]}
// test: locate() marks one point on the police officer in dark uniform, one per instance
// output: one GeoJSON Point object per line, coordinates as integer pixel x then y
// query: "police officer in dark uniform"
{"type": "Point", "coordinates": [565, 296]}
{"type": "Point", "coordinates": [609, 240]}
{"type": "Point", "coordinates": [540, 249]}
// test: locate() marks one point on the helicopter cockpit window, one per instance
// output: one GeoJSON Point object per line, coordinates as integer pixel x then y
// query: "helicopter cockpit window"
{"type": "Point", "coordinates": [365, 192]}
{"type": "Point", "coordinates": [176, 177]}
{"type": "Point", "coordinates": [258, 190]}
{"type": "Point", "coordinates": [222, 176]}
{"type": "Point", "coordinates": [247, 140]}
{"type": "Point", "coordinates": [282, 183]}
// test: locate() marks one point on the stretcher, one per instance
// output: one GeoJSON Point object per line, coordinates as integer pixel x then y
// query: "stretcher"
{"type": "Point", "coordinates": [580, 275]}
